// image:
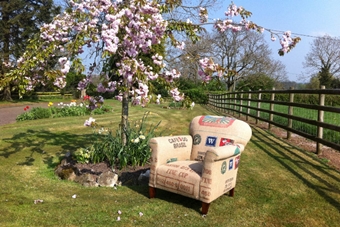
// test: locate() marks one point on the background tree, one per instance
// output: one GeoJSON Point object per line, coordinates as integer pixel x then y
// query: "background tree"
{"type": "Point", "coordinates": [19, 21]}
{"type": "Point", "coordinates": [314, 83]}
{"type": "Point", "coordinates": [256, 82]}
{"type": "Point", "coordinates": [244, 53]}
{"type": "Point", "coordinates": [182, 10]}
{"type": "Point", "coordinates": [187, 60]}
{"type": "Point", "coordinates": [73, 79]}
{"type": "Point", "coordinates": [324, 59]}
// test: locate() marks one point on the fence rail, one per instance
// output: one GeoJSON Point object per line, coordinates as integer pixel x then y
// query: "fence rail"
{"type": "Point", "coordinates": [313, 114]}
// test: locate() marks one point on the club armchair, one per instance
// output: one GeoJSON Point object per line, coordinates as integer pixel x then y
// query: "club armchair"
{"type": "Point", "coordinates": [202, 165]}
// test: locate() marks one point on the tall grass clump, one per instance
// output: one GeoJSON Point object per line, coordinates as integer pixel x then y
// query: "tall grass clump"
{"type": "Point", "coordinates": [110, 148]}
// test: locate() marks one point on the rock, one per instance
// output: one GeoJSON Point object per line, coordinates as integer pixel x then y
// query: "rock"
{"type": "Point", "coordinates": [87, 180]}
{"type": "Point", "coordinates": [66, 172]}
{"type": "Point", "coordinates": [108, 179]}
{"type": "Point", "coordinates": [100, 174]}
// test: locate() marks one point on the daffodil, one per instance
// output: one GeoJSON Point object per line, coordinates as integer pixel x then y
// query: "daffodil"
{"type": "Point", "coordinates": [136, 140]}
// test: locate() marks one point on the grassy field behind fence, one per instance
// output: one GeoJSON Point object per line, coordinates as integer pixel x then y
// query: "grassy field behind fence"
{"type": "Point", "coordinates": [329, 117]}
{"type": "Point", "coordinates": [278, 185]}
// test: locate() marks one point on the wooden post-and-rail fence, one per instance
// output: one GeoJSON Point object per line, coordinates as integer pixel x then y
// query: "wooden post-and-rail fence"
{"type": "Point", "coordinates": [312, 114]}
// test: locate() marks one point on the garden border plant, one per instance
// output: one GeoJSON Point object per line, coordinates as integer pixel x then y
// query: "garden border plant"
{"type": "Point", "coordinates": [89, 106]}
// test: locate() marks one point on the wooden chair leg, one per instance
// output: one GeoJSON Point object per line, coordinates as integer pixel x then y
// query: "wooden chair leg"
{"type": "Point", "coordinates": [205, 207]}
{"type": "Point", "coordinates": [232, 192]}
{"type": "Point", "coordinates": [152, 192]}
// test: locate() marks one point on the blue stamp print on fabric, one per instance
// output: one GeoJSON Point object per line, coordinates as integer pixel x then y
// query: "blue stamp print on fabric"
{"type": "Point", "coordinates": [211, 141]}
{"type": "Point", "coordinates": [231, 164]}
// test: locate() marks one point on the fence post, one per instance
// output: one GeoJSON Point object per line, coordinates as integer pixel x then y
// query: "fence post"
{"type": "Point", "coordinates": [320, 119]}
{"type": "Point", "coordinates": [272, 98]}
{"type": "Point", "coordinates": [258, 107]}
{"type": "Point", "coordinates": [241, 103]}
{"type": "Point", "coordinates": [225, 101]}
{"type": "Point", "coordinates": [214, 101]}
{"type": "Point", "coordinates": [290, 113]}
{"type": "Point", "coordinates": [235, 107]}
{"type": "Point", "coordinates": [228, 105]}
{"type": "Point", "coordinates": [248, 110]}
{"type": "Point", "coordinates": [221, 102]}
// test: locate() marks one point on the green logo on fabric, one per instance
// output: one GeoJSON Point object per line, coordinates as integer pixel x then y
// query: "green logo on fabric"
{"type": "Point", "coordinates": [224, 167]}
{"type": "Point", "coordinates": [197, 139]}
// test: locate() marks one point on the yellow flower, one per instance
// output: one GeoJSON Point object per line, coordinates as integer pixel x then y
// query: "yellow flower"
{"type": "Point", "coordinates": [50, 104]}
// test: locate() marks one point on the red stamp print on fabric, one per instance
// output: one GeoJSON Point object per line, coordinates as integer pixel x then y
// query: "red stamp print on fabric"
{"type": "Point", "coordinates": [226, 141]}
{"type": "Point", "coordinates": [213, 121]}
{"type": "Point", "coordinates": [237, 161]}
{"type": "Point", "coordinates": [186, 187]}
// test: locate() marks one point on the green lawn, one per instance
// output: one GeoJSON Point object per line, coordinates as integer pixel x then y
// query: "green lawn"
{"type": "Point", "coordinates": [278, 184]}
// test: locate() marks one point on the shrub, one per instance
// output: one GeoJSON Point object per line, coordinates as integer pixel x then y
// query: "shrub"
{"type": "Point", "coordinates": [41, 113]}
{"type": "Point", "coordinates": [175, 104]}
{"type": "Point", "coordinates": [103, 109]}
{"type": "Point", "coordinates": [68, 111]}
{"type": "Point", "coordinates": [197, 95]}
{"type": "Point", "coordinates": [25, 116]}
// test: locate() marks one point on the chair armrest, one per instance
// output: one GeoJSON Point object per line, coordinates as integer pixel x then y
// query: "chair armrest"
{"type": "Point", "coordinates": [170, 148]}
{"type": "Point", "coordinates": [220, 153]}
{"type": "Point", "coordinates": [219, 173]}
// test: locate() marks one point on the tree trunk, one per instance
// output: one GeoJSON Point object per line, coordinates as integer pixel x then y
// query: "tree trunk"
{"type": "Point", "coordinates": [125, 114]}
{"type": "Point", "coordinates": [7, 94]}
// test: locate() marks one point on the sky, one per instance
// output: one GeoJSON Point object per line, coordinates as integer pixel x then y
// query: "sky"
{"type": "Point", "coordinates": [308, 18]}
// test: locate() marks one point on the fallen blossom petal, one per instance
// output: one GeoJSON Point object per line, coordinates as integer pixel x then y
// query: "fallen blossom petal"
{"type": "Point", "coordinates": [38, 201]}
{"type": "Point", "coordinates": [74, 196]}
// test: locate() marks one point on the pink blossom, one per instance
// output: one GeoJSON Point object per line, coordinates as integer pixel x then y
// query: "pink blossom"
{"type": "Point", "coordinates": [60, 82]}
{"type": "Point", "coordinates": [66, 67]}
{"type": "Point", "coordinates": [119, 97]}
{"type": "Point", "coordinates": [176, 95]}
{"type": "Point", "coordinates": [89, 122]}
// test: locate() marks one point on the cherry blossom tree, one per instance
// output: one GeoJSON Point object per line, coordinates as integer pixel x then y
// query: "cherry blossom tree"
{"type": "Point", "coordinates": [124, 28]}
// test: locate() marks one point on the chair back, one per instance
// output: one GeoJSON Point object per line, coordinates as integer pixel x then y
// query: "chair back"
{"type": "Point", "coordinates": [217, 131]}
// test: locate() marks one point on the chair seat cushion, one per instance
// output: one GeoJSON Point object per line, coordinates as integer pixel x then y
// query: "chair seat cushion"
{"type": "Point", "coordinates": [181, 177]}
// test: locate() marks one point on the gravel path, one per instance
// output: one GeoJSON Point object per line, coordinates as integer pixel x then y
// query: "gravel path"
{"type": "Point", "coordinates": [9, 113]}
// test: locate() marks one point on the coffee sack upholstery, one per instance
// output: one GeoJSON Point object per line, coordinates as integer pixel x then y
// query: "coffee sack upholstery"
{"type": "Point", "coordinates": [204, 164]}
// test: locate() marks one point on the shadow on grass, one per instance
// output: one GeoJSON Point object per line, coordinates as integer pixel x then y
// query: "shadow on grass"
{"type": "Point", "coordinates": [38, 141]}
{"type": "Point", "coordinates": [321, 178]}
{"type": "Point", "coordinates": [169, 197]}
